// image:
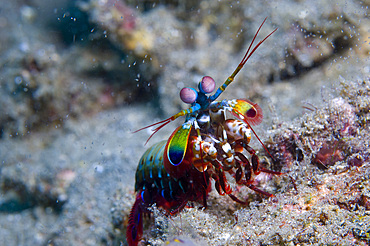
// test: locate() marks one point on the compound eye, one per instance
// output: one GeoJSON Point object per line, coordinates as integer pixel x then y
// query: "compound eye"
{"type": "Point", "coordinates": [188, 95]}
{"type": "Point", "coordinates": [207, 84]}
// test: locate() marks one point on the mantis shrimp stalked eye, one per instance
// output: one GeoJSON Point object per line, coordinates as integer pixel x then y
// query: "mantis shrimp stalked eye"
{"type": "Point", "coordinates": [207, 85]}
{"type": "Point", "coordinates": [188, 95]}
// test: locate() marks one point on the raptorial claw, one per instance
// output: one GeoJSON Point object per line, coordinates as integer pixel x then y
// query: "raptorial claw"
{"type": "Point", "coordinates": [175, 151]}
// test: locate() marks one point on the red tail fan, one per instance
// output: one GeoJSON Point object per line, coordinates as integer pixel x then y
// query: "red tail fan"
{"type": "Point", "coordinates": [135, 224]}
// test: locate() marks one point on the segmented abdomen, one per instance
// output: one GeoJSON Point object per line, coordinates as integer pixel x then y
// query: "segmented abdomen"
{"type": "Point", "coordinates": [151, 169]}
{"type": "Point", "coordinates": [155, 185]}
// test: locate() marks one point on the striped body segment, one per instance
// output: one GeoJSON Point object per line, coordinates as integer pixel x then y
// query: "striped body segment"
{"type": "Point", "coordinates": [154, 185]}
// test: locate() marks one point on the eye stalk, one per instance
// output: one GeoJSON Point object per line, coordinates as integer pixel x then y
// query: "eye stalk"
{"type": "Point", "coordinates": [188, 95]}
{"type": "Point", "coordinates": [207, 85]}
